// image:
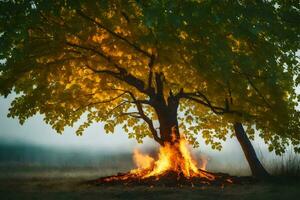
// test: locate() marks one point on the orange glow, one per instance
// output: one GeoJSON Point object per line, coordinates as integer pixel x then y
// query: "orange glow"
{"type": "Point", "coordinates": [142, 161]}
{"type": "Point", "coordinates": [176, 158]}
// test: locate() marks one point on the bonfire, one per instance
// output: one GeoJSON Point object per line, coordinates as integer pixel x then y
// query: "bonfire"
{"type": "Point", "coordinates": [174, 166]}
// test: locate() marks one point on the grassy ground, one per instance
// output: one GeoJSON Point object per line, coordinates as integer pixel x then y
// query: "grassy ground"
{"type": "Point", "coordinates": [28, 173]}
{"type": "Point", "coordinates": [61, 183]}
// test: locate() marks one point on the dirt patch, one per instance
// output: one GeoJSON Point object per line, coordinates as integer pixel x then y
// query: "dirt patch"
{"type": "Point", "coordinates": [74, 188]}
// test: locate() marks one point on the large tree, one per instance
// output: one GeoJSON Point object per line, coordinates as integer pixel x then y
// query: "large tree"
{"type": "Point", "coordinates": [99, 59]}
{"type": "Point", "coordinates": [253, 44]}
{"type": "Point", "coordinates": [160, 69]}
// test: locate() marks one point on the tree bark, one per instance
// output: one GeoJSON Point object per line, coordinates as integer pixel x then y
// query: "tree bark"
{"type": "Point", "coordinates": [168, 129]}
{"type": "Point", "coordinates": [256, 167]}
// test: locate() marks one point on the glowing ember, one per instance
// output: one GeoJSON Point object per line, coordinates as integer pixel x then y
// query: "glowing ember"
{"type": "Point", "coordinates": [174, 166]}
{"type": "Point", "coordinates": [171, 158]}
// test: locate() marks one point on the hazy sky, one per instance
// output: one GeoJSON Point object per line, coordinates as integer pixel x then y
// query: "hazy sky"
{"type": "Point", "coordinates": [36, 131]}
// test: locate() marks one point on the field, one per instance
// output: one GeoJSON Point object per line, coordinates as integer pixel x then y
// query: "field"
{"type": "Point", "coordinates": [29, 173]}
{"type": "Point", "coordinates": [62, 183]}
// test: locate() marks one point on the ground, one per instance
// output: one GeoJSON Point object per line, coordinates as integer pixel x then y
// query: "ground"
{"type": "Point", "coordinates": [63, 183]}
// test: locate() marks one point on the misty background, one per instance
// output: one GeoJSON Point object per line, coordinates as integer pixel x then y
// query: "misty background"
{"type": "Point", "coordinates": [35, 146]}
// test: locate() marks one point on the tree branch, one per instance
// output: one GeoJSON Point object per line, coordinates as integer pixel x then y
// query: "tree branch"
{"type": "Point", "coordinates": [258, 92]}
{"type": "Point", "coordinates": [150, 76]}
{"type": "Point", "coordinates": [107, 58]}
{"type": "Point", "coordinates": [131, 114]}
{"type": "Point", "coordinates": [159, 85]}
{"type": "Point", "coordinates": [247, 75]}
{"type": "Point", "coordinates": [135, 46]}
{"type": "Point", "coordinates": [100, 102]}
{"type": "Point", "coordinates": [206, 102]}
{"type": "Point", "coordinates": [122, 75]}
{"type": "Point", "coordinates": [146, 119]}
{"type": "Point", "coordinates": [142, 101]}
{"type": "Point", "coordinates": [112, 110]}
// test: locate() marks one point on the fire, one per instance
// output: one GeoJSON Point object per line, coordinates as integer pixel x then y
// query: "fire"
{"type": "Point", "coordinates": [176, 158]}
{"type": "Point", "coordinates": [173, 166]}
{"type": "Point", "coordinates": [142, 161]}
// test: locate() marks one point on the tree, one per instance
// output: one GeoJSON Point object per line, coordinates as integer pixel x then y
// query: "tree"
{"type": "Point", "coordinates": [253, 44]}
{"type": "Point", "coordinates": [160, 69]}
{"type": "Point", "coordinates": [73, 62]}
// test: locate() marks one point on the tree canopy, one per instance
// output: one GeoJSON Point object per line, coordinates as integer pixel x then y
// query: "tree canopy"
{"type": "Point", "coordinates": [252, 44]}
{"type": "Point", "coordinates": [124, 62]}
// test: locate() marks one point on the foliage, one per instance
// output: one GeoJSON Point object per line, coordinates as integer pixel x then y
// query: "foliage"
{"type": "Point", "coordinates": [222, 61]}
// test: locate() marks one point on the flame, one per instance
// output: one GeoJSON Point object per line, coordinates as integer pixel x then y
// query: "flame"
{"type": "Point", "coordinates": [176, 158]}
{"type": "Point", "coordinates": [142, 161]}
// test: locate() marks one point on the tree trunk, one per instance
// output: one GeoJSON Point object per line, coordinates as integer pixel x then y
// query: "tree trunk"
{"type": "Point", "coordinates": [256, 167]}
{"type": "Point", "coordinates": [169, 134]}
{"type": "Point", "coordinates": [167, 118]}
{"type": "Point", "coordinates": [168, 129]}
